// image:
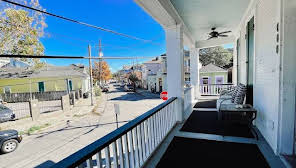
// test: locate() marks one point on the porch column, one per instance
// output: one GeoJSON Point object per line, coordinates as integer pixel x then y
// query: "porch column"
{"type": "Point", "coordinates": [194, 71]}
{"type": "Point", "coordinates": [175, 67]}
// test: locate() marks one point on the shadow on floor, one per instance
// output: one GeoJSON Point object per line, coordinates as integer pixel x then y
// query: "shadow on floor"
{"type": "Point", "coordinates": [131, 96]}
{"type": "Point", "coordinates": [205, 104]}
{"type": "Point", "coordinates": [45, 164]}
{"type": "Point", "coordinates": [208, 122]}
{"type": "Point", "coordinates": [68, 128]}
{"type": "Point", "coordinates": [186, 152]}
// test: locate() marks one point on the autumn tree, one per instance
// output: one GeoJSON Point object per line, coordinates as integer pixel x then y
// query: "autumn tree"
{"type": "Point", "coordinates": [21, 30]}
{"type": "Point", "coordinates": [216, 55]}
{"type": "Point", "coordinates": [101, 71]}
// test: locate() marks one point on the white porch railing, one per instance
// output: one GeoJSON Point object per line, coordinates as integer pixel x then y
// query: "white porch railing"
{"type": "Point", "coordinates": [214, 89]}
{"type": "Point", "coordinates": [130, 145]}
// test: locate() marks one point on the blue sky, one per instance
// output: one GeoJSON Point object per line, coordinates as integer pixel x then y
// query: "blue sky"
{"type": "Point", "coordinates": [66, 38]}
{"type": "Point", "coordinates": [125, 16]}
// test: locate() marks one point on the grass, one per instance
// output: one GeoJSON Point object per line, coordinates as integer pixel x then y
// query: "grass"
{"type": "Point", "coordinates": [34, 128]}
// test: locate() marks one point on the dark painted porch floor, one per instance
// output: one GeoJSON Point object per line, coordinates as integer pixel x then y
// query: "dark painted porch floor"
{"type": "Point", "coordinates": [207, 122]}
{"type": "Point", "coordinates": [187, 152]}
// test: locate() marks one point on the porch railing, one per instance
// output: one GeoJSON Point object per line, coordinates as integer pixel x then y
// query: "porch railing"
{"type": "Point", "coordinates": [214, 89]}
{"type": "Point", "coordinates": [130, 145]}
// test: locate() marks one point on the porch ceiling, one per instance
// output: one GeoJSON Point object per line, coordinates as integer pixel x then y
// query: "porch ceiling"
{"type": "Point", "coordinates": [201, 15]}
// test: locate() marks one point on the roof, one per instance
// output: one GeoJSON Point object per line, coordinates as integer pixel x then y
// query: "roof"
{"type": "Point", "coordinates": [154, 61]}
{"type": "Point", "coordinates": [211, 68]}
{"type": "Point", "coordinates": [47, 71]}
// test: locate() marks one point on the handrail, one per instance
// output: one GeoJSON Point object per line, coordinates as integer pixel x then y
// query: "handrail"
{"type": "Point", "coordinates": [87, 152]}
{"type": "Point", "coordinates": [216, 84]}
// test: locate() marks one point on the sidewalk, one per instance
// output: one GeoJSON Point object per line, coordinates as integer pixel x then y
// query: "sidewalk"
{"type": "Point", "coordinates": [46, 121]}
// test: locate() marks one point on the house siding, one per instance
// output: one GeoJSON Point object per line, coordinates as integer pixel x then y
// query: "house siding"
{"type": "Point", "coordinates": [51, 84]}
{"type": "Point", "coordinates": [266, 66]}
{"type": "Point", "coordinates": [212, 76]}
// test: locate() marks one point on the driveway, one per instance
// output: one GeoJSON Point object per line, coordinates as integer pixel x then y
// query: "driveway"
{"type": "Point", "coordinates": [50, 146]}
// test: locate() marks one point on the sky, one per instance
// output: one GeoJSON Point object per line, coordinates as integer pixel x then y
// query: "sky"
{"type": "Point", "coordinates": [65, 38]}
{"type": "Point", "coordinates": [124, 16]}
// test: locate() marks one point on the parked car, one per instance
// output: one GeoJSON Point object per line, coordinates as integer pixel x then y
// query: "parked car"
{"type": "Point", "coordinates": [85, 95]}
{"type": "Point", "coordinates": [9, 140]}
{"type": "Point", "coordinates": [105, 89]}
{"type": "Point", "coordinates": [128, 88]}
{"type": "Point", "coordinates": [6, 114]}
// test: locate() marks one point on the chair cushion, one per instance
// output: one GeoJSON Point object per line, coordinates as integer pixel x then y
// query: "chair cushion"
{"type": "Point", "coordinates": [240, 94]}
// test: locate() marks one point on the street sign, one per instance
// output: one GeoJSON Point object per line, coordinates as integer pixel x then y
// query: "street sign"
{"type": "Point", "coordinates": [164, 95]}
{"type": "Point", "coordinates": [117, 112]}
{"type": "Point", "coordinates": [116, 109]}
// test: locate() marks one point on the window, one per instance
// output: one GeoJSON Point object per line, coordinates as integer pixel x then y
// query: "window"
{"type": "Point", "coordinates": [7, 90]}
{"type": "Point", "coordinates": [41, 86]}
{"type": "Point", "coordinates": [205, 80]}
{"type": "Point", "coordinates": [219, 79]}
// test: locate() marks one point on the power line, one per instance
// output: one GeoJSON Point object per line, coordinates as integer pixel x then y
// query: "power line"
{"type": "Point", "coordinates": [81, 23]}
{"type": "Point", "coordinates": [70, 57]}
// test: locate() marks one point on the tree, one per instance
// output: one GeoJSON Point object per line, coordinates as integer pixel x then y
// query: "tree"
{"type": "Point", "coordinates": [216, 55]}
{"type": "Point", "coordinates": [21, 31]}
{"type": "Point", "coordinates": [134, 79]}
{"type": "Point", "coordinates": [104, 74]}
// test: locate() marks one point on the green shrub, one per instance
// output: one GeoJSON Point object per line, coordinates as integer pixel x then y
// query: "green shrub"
{"type": "Point", "coordinates": [97, 91]}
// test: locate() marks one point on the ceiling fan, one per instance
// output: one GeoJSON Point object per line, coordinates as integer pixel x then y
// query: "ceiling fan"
{"type": "Point", "coordinates": [215, 34]}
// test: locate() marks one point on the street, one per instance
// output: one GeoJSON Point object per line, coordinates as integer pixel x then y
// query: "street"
{"type": "Point", "coordinates": [52, 145]}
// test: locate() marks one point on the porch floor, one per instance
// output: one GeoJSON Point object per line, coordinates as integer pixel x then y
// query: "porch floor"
{"type": "Point", "coordinates": [186, 152]}
{"type": "Point", "coordinates": [186, 147]}
{"type": "Point", "coordinates": [207, 122]}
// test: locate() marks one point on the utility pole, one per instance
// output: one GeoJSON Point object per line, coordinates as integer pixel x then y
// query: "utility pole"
{"type": "Point", "coordinates": [100, 60]}
{"type": "Point", "coordinates": [90, 75]}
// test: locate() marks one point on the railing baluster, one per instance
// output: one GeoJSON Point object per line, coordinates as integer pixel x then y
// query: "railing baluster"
{"type": "Point", "coordinates": [166, 120]}
{"type": "Point", "coordinates": [146, 140]}
{"type": "Point", "coordinates": [115, 156]}
{"type": "Point", "coordinates": [131, 149]}
{"type": "Point", "coordinates": [135, 141]}
{"type": "Point", "coordinates": [139, 137]}
{"type": "Point", "coordinates": [143, 141]}
{"type": "Point", "coordinates": [120, 149]}
{"type": "Point", "coordinates": [126, 151]}
{"type": "Point", "coordinates": [107, 157]}
{"type": "Point", "coordinates": [153, 132]}
{"type": "Point", "coordinates": [89, 163]}
{"type": "Point", "coordinates": [158, 127]}
{"type": "Point", "coordinates": [99, 160]}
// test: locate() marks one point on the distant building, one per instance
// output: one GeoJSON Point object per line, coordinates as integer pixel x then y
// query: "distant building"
{"type": "Point", "coordinates": [153, 75]}
{"type": "Point", "coordinates": [48, 78]}
{"type": "Point", "coordinates": [212, 74]}
{"type": "Point", "coordinates": [11, 62]}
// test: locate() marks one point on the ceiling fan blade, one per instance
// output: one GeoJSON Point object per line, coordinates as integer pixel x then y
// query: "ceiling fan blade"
{"type": "Point", "coordinates": [223, 35]}
{"type": "Point", "coordinates": [224, 32]}
{"type": "Point", "coordinates": [210, 38]}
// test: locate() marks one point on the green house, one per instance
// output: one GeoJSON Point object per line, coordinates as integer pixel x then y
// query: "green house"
{"type": "Point", "coordinates": [49, 78]}
{"type": "Point", "coordinates": [212, 74]}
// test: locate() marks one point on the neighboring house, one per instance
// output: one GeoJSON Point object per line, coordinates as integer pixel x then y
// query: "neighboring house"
{"type": "Point", "coordinates": [5, 63]}
{"type": "Point", "coordinates": [49, 78]}
{"type": "Point", "coordinates": [186, 69]}
{"type": "Point", "coordinates": [212, 74]}
{"type": "Point", "coordinates": [153, 74]}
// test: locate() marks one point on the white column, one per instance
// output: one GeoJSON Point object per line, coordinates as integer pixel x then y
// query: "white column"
{"type": "Point", "coordinates": [234, 68]}
{"type": "Point", "coordinates": [175, 70]}
{"type": "Point", "coordinates": [194, 71]}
